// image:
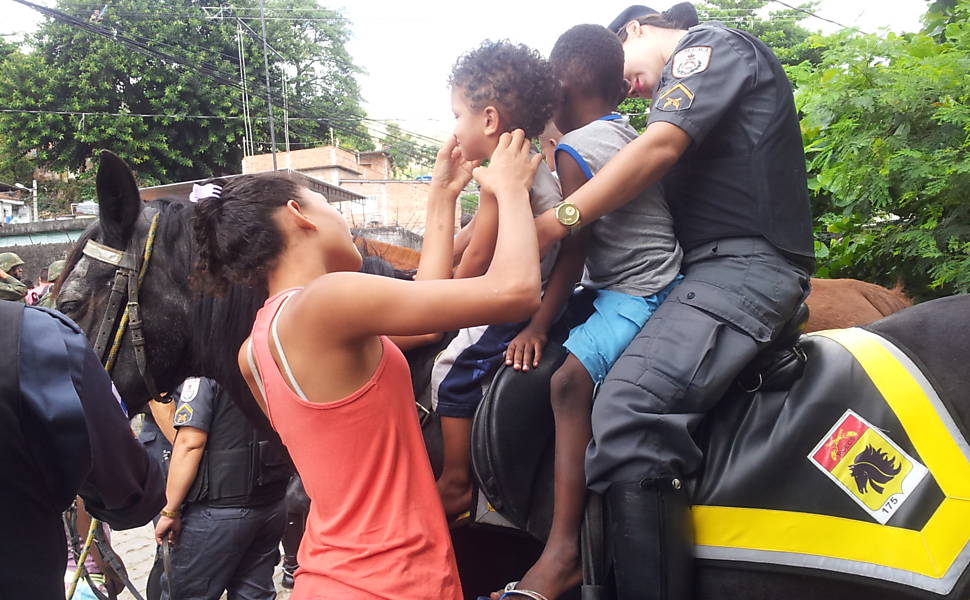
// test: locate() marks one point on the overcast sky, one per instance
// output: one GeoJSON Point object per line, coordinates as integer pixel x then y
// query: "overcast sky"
{"type": "Point", "coordinates": [407, 48]}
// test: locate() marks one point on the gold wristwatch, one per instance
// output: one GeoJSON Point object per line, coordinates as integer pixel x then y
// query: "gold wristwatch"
{"type": "Point", "coordinates": [568, 215]}
{"type": "Point", "coordinates": [171, 514]}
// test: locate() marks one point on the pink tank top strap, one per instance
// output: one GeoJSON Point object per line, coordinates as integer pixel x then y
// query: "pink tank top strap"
{"type": "Point", "coordinates": [265, 370]}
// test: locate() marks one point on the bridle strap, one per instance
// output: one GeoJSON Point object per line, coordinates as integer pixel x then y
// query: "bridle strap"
{"type": "Point", "coordinates": [107, 254]}
{"type": "Point", "coordinates": [135, 322]}
{"type": "Point", "coordinates": [111, 314]}
{"type": "Point", "coordinates": [126, 282]}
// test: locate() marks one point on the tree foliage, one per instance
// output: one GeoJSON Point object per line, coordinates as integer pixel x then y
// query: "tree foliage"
{"type": "Point", "coordinates": [171, 58]}
{"type": "Point", "coordinates": [406, 152]}
{"type": "Point", "coordinates": [887, 135]}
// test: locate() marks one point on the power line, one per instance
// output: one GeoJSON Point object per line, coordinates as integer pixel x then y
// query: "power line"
{"type": "Point", "coordinates": [211, 72]}
{"type": "Point", "coordinates": [819, 17]}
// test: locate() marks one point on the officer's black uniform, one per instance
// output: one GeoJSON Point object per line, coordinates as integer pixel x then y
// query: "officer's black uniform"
{"type": "Point", "coordinates": [63, 432]}
{"type": "Point", "coordinates": [233, 516]}
{"type": "Point", "coordinates": [740, 207]}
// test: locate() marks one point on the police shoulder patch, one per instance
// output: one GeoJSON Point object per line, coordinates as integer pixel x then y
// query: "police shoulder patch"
{"type": "Point", "coordinates": [183, 415]}
{"type": "Point", "coordinates": [674, 98]}
{"type": "Point", "coordinates": [691, 61]}
{"type": "Point", "coordinates": [190, 389]}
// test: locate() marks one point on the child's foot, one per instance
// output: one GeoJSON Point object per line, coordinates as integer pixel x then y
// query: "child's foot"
{"type": "Point", "coordinates": [556, 572]}
{"type": "Point", "coordinates": [456, 496]}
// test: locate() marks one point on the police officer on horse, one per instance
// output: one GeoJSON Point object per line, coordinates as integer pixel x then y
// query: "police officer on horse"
{"type": "Point", "coordinates": [723, 136]}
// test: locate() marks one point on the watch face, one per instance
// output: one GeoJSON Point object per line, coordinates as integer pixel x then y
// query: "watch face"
{"type": "Point", "coordinates": [567, 214]}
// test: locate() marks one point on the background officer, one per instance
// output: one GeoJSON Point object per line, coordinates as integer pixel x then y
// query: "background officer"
{"type": "Point", "coordinates": [63, 432]}
{"type": "Point", "coordinates": [11, 272]}
{"type": "Point", "coordinates": [225, 493]}
{"type": "Point", "coordinates": [724, 137]}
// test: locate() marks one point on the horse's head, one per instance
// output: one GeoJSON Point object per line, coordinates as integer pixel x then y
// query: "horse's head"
{"type": "Point", "coordinates": [117, 243]}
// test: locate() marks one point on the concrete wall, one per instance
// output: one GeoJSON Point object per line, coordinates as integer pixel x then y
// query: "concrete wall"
{"type": "Point", "coordinates": [42, 242]}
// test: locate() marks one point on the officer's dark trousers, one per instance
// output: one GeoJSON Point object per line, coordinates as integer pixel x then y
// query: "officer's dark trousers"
{"type": "Point", "coordinates": [735, 297]}
{"type": "Point", "coordinates": [227, 549]}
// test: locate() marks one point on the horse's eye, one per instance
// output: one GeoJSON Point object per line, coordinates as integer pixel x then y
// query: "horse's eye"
{"type": "Point", "coordinates": [69, 307]}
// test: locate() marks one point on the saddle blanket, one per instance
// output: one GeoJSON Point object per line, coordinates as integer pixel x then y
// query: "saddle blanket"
{"type": "Point", "coordinates": [859, 469]}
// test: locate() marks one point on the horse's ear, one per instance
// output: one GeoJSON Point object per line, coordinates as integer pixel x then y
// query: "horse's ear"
{"type": "Point", "coordinates": [118, 199]}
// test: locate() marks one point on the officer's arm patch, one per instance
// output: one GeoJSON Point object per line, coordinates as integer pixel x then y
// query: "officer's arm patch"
{"type": "Point", "coordinates": [183, 415]}
{"type": "Point", "coordinates": [190, 389]}
{"type": "Point", "coordinates": [674, 98]}
{"type": "Point", "coordinates": [691, 61]}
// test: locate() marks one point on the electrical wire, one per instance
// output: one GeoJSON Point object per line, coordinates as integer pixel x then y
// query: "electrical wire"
{"type": "Point", "coordinates": [209, 71]}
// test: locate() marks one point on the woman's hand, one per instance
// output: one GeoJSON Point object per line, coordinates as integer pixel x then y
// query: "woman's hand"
{"type": "Point", "coordinates": [511, 167]}
{"type": "Point", "coordinates": [168, 527]}
{"type": "Point", "coordinates": [450, 170]}
{"type": "Point", "coordinates": [526, 349]}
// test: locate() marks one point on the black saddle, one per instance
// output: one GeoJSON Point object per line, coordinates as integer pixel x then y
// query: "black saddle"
{"type": "Point", "coordinates": [513, 430]}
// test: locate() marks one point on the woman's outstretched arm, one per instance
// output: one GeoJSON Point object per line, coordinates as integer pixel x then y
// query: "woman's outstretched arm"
{"type": "Point", "coordinates": [361, 305]}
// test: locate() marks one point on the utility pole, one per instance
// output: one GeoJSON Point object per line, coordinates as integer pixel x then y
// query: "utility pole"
{"type": "Point", "coordinates": [269, 95]}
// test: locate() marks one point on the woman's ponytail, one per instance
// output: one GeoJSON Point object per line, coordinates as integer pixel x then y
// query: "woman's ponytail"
{"type": "Point", "coordinates": [235, 234]}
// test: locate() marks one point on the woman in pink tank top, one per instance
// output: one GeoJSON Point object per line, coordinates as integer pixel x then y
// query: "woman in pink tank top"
{"type": "Point", "coordinates": [332, 384]}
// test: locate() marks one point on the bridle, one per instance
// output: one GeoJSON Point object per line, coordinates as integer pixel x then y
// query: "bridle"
{"type": "Point", "coordinates": [127, 283]}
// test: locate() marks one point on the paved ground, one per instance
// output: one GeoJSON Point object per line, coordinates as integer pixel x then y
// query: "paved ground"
{"type": "Point", "coordinates": [137, 548]}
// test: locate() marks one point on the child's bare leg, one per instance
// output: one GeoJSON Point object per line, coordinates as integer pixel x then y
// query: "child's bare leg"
{"type": "Point", "coordinates": [559, 567]}
{"type": "Point", "coordinates": [455, 484]}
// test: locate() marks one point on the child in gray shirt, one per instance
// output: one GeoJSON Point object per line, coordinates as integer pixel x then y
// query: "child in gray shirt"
{"type": "Point", "coordinates": [631, 259]}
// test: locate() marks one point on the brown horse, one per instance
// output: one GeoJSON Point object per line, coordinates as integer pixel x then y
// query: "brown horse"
{"type": "Point", "coordinates": [833, 303]}
{"type": "Point", "coordinates": [841, 303]}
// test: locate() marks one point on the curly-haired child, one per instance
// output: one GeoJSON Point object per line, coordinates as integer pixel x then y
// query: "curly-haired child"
{"type": "Point", "coordinates": [495, 88]}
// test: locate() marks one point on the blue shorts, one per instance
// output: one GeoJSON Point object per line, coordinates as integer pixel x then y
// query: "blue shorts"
{"type": "Point", "coordinates": [616, 320]}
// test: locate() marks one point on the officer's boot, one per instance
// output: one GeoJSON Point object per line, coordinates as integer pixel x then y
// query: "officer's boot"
{"type": "Point", "coordinates": [650, 540]}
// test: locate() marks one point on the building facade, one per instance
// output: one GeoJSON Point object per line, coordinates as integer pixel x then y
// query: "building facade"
{"type": "Point", "coordinates": [387, 202]}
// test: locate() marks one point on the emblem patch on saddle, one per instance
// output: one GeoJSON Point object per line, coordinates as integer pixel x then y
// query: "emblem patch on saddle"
{"type": "Point", "coordinates": [868, 466]}
{"type": "Point", "coordinates": [858, 469]}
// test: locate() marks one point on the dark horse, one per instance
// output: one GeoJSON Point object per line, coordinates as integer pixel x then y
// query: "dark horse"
{"type": "Point", "coordinates": [188, 334]}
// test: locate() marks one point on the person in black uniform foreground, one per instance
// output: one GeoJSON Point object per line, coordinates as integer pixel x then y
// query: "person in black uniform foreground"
{"type": "Point", "coordinates": [723, 137]}
{"type": "Point", "coordinates": [225, 511]}
{"type": "Point", "coordinates": [63, 432]}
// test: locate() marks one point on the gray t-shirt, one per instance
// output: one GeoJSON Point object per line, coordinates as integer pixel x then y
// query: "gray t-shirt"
{"type": "Point", "coordinates": [543, 195]}
{"type": "Point", "coordinates": [633, 249]}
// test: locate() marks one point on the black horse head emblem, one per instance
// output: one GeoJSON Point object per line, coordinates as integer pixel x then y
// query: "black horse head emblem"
{"type": "Point", "coordinates": [873, 467]}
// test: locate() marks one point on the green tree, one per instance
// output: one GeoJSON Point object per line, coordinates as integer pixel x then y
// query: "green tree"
{"type": "Point", "coordinates": [887, 132]}
{"type": "Point", "coordinates": [406, 152]}
{"type": "Point", "coordinates": [171, 58]}
{"type": "Point", "coordinates": [781, 29]}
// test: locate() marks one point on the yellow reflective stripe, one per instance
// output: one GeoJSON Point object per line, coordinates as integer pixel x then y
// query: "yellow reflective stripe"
{"type": "Point", "coordinates": [929, 552]}
{"type": "Point", "coordinates": [918, 416]}
{"type": "Point", "coordinates": [820, 535]}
